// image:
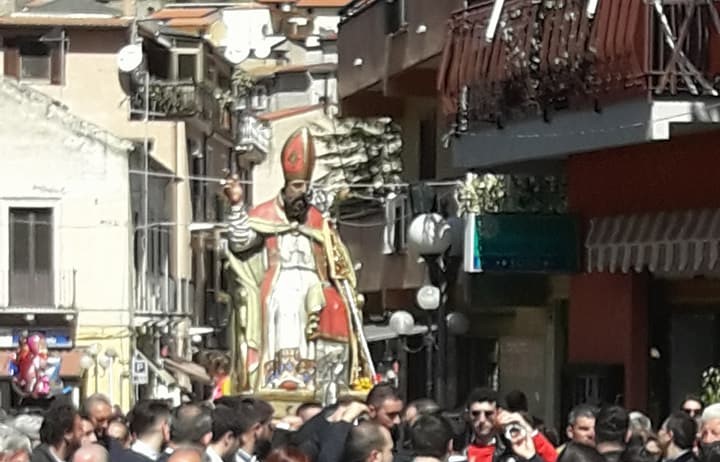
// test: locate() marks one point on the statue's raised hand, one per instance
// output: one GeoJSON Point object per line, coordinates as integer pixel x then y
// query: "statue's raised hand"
{"type": "Point", "coordinates": [233, 190]}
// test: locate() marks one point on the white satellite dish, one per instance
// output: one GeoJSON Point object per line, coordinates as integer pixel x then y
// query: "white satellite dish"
{"type": "Point", "coordinates": [237, 53]}
{"type": "Point", "coordinates": [130, 58]}
{"type": "Point", "coordinates": [262, 50]}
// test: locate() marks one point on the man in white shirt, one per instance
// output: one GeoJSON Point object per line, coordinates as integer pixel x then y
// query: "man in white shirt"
{"type": "Point", "coordinates": [255, 416]}
{"type": "Point", "coordinates": [150, 423]}
{"type": "Point", "coordinates": [226, 433]}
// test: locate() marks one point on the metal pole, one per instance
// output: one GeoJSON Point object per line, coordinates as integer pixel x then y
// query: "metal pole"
{"type": "Point", "coordinates": [429, 376]}
{"type": "Point", "coordinates": [442, 351]}
{"type": "Point", "coordinates": [96, 374]}
{"type": "Point", "coordinates": [142, 289]}
{"type": "Point", "coordinates": [111, 378]}
{"type": "Point", "coordinates": [146, 187]}
{"type": "Point", "coordinates": [439, 280]}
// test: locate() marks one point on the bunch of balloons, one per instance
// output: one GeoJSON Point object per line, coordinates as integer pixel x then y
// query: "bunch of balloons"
{"type": "Point", "coordinates": [34, 372]}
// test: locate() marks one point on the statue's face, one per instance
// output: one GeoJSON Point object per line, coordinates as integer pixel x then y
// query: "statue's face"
{"type": "Point", "coordinates": [295, 198]}
{"type": "Point", "coordinates": [295, 189]}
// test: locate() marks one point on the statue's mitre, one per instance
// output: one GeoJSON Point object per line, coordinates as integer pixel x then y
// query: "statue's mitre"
{"type": "Point", "coordinates": [298, 156]}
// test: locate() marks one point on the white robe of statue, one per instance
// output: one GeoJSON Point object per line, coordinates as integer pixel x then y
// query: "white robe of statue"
{"type": "Point", "coordinates": [287, 310]}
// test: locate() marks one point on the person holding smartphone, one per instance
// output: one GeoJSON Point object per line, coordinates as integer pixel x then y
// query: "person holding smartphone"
{"type": "Point", "coordinates": [498, 435]}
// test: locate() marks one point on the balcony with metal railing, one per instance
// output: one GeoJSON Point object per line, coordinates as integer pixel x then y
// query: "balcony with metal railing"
{"type": "Point", "coordinates": [158, 295]}
{"type": "Point", "coordinates": [524, 58]}
{"type": "Point", "coordinates": [166, 100]}
{"type": "Point", "coordinates": [38, 291]}
{"type": "Point", "coordinates": [252, 134]}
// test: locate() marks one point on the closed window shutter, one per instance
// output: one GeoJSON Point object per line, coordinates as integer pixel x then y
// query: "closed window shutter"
{"type": "Point", "coordinates": [12, 62]}
{"type": "Point", "coordinates": [56, 65]}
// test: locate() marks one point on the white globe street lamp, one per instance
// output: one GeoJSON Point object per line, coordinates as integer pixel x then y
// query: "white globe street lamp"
{"type": "Point", "coordinates": [402, 323]}
{"type": "Point", "coordinates": [429, 235]}
{"type": "Point", "coordinates": [86, 362]}
{"type": "Point", "coordinates": [428, 298]}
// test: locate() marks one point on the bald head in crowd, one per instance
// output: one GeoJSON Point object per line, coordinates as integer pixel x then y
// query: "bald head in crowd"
{"type": "Point", "coordinates": [91, 453]}
{"type": "Point", "coordinates": [186, 455]}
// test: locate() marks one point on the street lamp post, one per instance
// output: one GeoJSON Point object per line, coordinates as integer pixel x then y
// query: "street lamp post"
{"type": "Point", "coordinates": [93, 351]}
{"type": "Point", "coordinates": [107, 361]}
{"type": "Point", "coordinates": [430, 237]}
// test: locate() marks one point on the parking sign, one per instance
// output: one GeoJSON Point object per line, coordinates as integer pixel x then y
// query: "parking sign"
{"type": "Point", "coordinates": [139, 370]}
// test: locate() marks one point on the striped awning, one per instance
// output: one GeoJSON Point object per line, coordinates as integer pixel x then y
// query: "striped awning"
{"type": "Point", "coordinates": [680, 242]}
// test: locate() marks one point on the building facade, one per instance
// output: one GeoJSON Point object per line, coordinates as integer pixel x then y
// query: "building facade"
{"type": "Point", "coordinates": [390, 57]}
{"type": "Point", "coordinates": [65, 247]}
{"type": "Point", "coordinates": [623, 104]}
{"type": "Point", "coordinates": [69, 52]}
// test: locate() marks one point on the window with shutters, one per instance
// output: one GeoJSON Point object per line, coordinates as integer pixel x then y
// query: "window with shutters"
{"type": "Point", "coordinates": [31, 257]}
{"type": "Point", "coordinates": [34, 60]}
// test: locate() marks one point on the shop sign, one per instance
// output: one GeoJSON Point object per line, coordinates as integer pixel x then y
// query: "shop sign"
{"type": "Point", "coordinates": [55, 338]}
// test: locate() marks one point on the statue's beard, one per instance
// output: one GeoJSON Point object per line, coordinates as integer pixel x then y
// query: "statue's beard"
{"type": "Point", "coordinates": [296, 209]}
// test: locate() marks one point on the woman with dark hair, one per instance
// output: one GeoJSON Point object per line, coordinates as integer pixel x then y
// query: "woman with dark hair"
{"type": "Point", "coordinates": [576, 452]}
{"type": "Point", "coordinates": [287, 454]}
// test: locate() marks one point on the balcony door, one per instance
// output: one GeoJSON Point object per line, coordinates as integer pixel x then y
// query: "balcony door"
{"type": "Point", "coordinates": [31, 257]}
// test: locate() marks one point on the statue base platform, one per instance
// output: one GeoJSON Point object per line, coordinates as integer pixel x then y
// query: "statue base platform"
{"type": "Point", "coordinates": [285, 402]}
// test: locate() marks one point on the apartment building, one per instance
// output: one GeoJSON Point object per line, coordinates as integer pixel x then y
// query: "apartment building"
{"type": "Point", "coordinates": [65, 248]}
{"type": "Point", "coordinates": [68, 50]}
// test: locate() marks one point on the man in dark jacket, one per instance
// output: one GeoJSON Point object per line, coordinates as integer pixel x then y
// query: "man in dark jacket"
{"type": "Point", "coordinates": [60, 433]}
{"type": "Point", "coordinates": [368, 442]}
{"type": "Point", "coordinates": [431, 438]}
{"type": "Point", "coordinates": [323, 437]}
{"type": "Point", "coordinates": [677, 437]}
{"type": "Point", "coordinates": [98, 410]}
{"type": "Point", "coordinates": [150, 423]}
{"type": "Point", "coordinates": [611, 432]}
{"type": "Point", "coordinates": [191, 426]}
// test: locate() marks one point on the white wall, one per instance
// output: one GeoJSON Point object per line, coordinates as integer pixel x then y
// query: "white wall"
{"type": "Point", "coordinates": [92, 91]}
{"type": "Point", "coordinates": [324, 85]}
{"type": "Point", "coordinates": [326, 19]}
{"type": "Point", "coordinates": [246, 26]}
{"type": "Point", "coordinates": [86, 183]}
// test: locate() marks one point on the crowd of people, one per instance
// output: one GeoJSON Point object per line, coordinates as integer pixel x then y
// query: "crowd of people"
{"type": "Point", "coordinates": [381, 429]}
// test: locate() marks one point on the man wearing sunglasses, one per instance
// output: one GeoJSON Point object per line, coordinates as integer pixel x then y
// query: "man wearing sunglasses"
{"type": "Point", "coordinates": [692, 406]}
{"type": "Point", "coordinates": [487, 421]}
